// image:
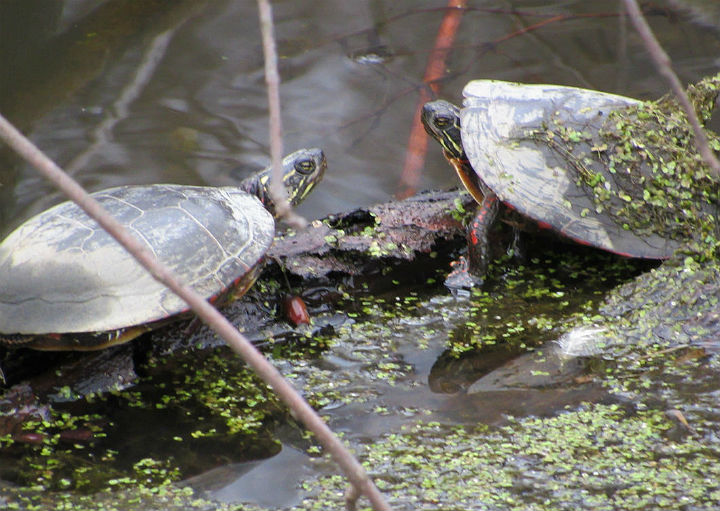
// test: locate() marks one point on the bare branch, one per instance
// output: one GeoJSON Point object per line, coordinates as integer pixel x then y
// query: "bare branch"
{"type": "Point", "coordinates": [299, 407]}
{"type": "Point", "coordinates": [272, 78]}
{"type": "Point", "coordinates": [664, 67]}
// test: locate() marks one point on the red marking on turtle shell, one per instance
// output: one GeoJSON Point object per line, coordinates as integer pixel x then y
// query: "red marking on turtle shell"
{"type": "Point", "coordinates": [473, 237]}
{"type": "Point", "coordinates": [579, 241]}
{"type": "Point", "coordinates": [586, 243]}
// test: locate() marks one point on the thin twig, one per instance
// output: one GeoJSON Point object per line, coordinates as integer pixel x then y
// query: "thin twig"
{"type": "Point", "coordinates": [272, 78]}
{"type": "Point", "coordinates": [299, 407]}
{"type": "Point", "coordinates": [664, 67]}
{"type": "Point", "coordinates": [353, 470]}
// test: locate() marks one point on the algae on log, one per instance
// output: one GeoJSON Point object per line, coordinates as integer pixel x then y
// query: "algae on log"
{"type": "Point", "coordinates": [353, 242]}
{"type": "Point", "coordinates": [672, 306]}
{"type": "Point", "coordinates": [642, 168]}
{"type": "Point", "coordinates": [653, 156]}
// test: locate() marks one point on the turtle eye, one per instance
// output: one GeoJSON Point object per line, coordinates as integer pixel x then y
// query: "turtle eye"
{"type": "Point", "coordinates": [442, 121]}
{"type": "Point", "coordinates": [305, 166]}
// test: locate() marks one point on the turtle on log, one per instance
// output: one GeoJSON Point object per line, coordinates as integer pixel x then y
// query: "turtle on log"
{"type": "Point", "coordinates": [603, 170]}
{"type": "Point", "coordinates": [66, 284]}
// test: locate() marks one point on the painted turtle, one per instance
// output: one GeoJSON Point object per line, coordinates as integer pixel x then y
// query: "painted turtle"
{"type": "Point", "coordinates": [65, 284]}
{"type": "Point", "coordinates": [564, 158]}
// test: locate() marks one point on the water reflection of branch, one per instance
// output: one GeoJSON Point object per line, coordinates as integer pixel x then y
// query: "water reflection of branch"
{"type": "Point", "coordinates": [483, 48]}
{"type": "Point", "coordinates": [119, 110]}
{"type": "Point", "coordinates": [435, 71]}
{"type": "Point", "coordinates": [464, 9]}
{"type": "Point", "coordinates": [664, 67]}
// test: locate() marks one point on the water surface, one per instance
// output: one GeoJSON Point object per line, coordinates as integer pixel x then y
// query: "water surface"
{"type": "Point", "coordinates": [174, 91]}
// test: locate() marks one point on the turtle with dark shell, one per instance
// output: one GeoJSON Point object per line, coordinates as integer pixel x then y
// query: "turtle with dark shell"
{"type": "Point", "coordinates": [66, 284]}
{"type": "Point", "coordinates": [600, 169]}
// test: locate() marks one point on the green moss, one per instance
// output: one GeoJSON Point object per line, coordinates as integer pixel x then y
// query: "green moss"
{"type": "Point", "coordinates": [597, 457]}
{"type": "Point", "coordinates": [212, 399]}
{"type": "Point", "coordinates": [662, 317]}
{"type": "Point", "coordinates": [524, 305]}
{"type": "Point", "coordinates": [459, 213]}
{"type": "Point", "coordinates": [642, 168]}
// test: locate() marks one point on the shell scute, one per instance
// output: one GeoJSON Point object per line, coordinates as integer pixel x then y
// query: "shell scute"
{"type": "Point", "coordinates": [60, 272]}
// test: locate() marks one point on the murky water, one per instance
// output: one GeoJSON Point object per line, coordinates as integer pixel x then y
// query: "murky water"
{"type": "Point", "coordinates": [174, 92]}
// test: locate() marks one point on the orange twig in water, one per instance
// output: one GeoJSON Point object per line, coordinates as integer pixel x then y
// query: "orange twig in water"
{"type": "Point", "coordinates": [435, 70]}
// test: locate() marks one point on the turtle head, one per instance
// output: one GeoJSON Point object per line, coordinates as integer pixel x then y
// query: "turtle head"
{"type": "Point", "coordinates": [442, 122]}
{"type": "Point", "coordinates": [301, 171]}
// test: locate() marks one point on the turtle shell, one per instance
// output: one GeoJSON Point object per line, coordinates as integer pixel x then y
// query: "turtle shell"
{"type": "Point", "coordinates": [61, 273]}
{"type": "Point", "coordinates": [499, 122]}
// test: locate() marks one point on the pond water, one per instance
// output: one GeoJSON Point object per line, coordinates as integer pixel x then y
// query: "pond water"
{"type": "Point", "coordinates": [173, 91]}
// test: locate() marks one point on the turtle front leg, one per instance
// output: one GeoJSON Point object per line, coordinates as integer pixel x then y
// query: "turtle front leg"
{"type": "Point", "coordinates": [469, 272]}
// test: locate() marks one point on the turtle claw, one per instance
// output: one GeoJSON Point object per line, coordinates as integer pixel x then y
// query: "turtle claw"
{"type": "Point", "coordinates": [460, 278]}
